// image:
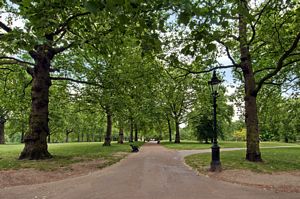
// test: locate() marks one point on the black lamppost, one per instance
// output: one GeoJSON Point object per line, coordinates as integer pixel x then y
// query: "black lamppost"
{"type": "Point", "coordinates": [215, 164]}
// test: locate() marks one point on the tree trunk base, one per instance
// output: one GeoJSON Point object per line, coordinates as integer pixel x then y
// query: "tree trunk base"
{"type": "Point", "coordinates": [254, 157]}
{"type": "Point", "coordinates": [107, 142]}
{"type": "Point", "coordinates": [177, 141]}
{"type": "Point", "coordinates": [120, 142]}
{"type": "Point", "coordinates": [35, 153]}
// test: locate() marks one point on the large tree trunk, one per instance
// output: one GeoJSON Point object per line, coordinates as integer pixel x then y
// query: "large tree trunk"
{"type": "Point", "coordinates": [108, 128]}
{"type": "Point", "coordinates": [135, 133]}
{"type": "Point", "coordinates": [170, 130]}
{"type": "Point", "coordinates": [251, 118]}
{"type": "Point", "coordinates": [36, 139]}
{"type": "Point", "coordinates": [2, 137]}
{"type": "Point", "coordinates": [121, 136]}
{"type": "Point", "coordinates": [177, 136]}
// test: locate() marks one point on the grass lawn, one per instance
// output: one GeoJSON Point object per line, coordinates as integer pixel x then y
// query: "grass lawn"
{"type": "Point", "coordinates": [63, 155]}
{"type": "Point", "coordinates": [281, 159]}
{"type": "Point", "coordinates": [189, 145]}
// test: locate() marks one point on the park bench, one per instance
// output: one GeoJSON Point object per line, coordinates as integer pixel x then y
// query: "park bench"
{"type": "Point", "coordinates": [134, 148]}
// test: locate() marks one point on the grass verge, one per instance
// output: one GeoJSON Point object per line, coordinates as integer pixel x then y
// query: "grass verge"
{"type": "Point", "coordinates": [274, 160]}
{"type": "Point", "coordinates": [190, 145]}
{"type": "Point", "coordinates": [64, 154]}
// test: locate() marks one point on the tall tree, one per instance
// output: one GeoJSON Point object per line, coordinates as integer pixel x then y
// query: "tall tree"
{"type": "Point", "coordinates": [43, 39]}
{"type": "Point", "coordinates": [238, 29]}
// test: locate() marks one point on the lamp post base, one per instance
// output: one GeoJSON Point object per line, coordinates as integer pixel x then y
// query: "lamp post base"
{"type": "Point", "coordinates": [215, 167]}
{"type": "Point", "coordinates": [215, 164]}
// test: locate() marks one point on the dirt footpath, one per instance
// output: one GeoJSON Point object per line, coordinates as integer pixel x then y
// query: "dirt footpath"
{"type": "Point", "coordinates": [153, 173]}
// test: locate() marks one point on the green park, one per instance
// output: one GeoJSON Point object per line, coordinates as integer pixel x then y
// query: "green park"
{"type": "Point", "coordinates": [165, 99]}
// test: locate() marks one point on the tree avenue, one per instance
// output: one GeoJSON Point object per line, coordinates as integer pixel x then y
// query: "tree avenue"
{"type": "Point", "coordinates": [127, 70]}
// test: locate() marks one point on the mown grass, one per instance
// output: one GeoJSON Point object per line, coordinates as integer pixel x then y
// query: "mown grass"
{"type": "Point", "coordinates": [274, 160]}
{"type": "Point", "coordinates": [64, 154]}
{"type": "Point", "coordinates": [190, 145]}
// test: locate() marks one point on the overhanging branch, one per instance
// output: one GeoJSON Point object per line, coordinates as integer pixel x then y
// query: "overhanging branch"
{"type": "Point", "coordinates": [280, 64]}
{"type": "Point", "coordinates": [63, 26]}
{"type": "Point", "coordinates": [12, 60]}
{"type": "Point", "coordinates": [5, 27]}
{"type": "Point", "coordinates": [228, 53]}
{"type": "Point", "coordinates": [207, 70]}
{"type": "Point", "coordinates": [76, 81]}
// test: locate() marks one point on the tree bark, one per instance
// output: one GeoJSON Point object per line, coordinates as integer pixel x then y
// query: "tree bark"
{"type": "Point", "coordinates": [170, 130]}
{"type": "Point", "coordinates": [36, 139]}
{"type": "Point", "coordinates": [251, 118]}
{"type": "Point", "coordinates": [121, 136]}
{"type": "Point", "coordinates": [177, 136]}
{"type": "Point", "coordinates": [135, 133]}
{"type": "Point", "coordinates": [22, 133]}
{"type": "Point", "coordinates": [108, 128]}
{"type": "Point", "coordinates": [78, 136]}
{"type": "Point", "coordinates": [67, 135]}
{"type": "Point", "coordinates": [49, 138]}
{"type": "Point", "coordinates": [131, 130]}
{"type": "Point", "coordinates": [2, 137]}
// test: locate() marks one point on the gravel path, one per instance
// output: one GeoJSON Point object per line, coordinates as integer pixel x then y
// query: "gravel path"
{"type": "Point", "coordinates": [153, 173]}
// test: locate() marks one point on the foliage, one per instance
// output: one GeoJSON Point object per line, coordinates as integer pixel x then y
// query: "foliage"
{"type": "Point", "coordinates": [240, 135]}
{"type": "Point", "coordinates": [148, 63]}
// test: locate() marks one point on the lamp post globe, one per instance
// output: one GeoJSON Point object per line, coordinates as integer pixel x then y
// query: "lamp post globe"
{"type": "Point", "coordinates": [215, 164]}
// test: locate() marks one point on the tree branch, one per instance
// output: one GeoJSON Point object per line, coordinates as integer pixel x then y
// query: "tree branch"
{"type": "Point", "coordinates": [255, 23]}
{"type": "Point", "coordinates": [76, 81]}
{"type": "Point", "coordinates": [5, 27]}
{"type": "Point", "coordinates": [207, 70]}
{"type": "Point", "coordinates": [62, 26]}
{"type": "Point", "coordinates": [7, 69]}
{"type": "Point", "coordinates": [14, 61]}
{"type": "Point", "coordinates": [228, 53]}
{"type": "Point", "coordinates": [260, 70]}
{"type": "Point", "coordinates": [24, 88]}
{"type": "Point", "coordinates": [61, 49]}
{"type": "Point", "coordinates": [280, 63]}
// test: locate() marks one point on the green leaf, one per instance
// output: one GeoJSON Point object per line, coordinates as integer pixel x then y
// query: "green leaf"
{"type": "Point", "coordinates": [184, 18]}
{"type": "Point", "coordinates": [94, 6]}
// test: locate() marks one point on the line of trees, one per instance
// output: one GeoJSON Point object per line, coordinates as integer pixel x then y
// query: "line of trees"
{"type": "Point", "coordinates": [144, 66]}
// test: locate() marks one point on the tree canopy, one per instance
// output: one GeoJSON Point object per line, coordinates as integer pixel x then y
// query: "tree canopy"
{"type": "Point", "coordinates": [115, 70]}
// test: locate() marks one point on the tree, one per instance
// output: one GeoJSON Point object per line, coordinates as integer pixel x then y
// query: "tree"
{"type": "Point", "coordinates": [238, 29]}
{"type": "Point", "coordinates": [42, 39]}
